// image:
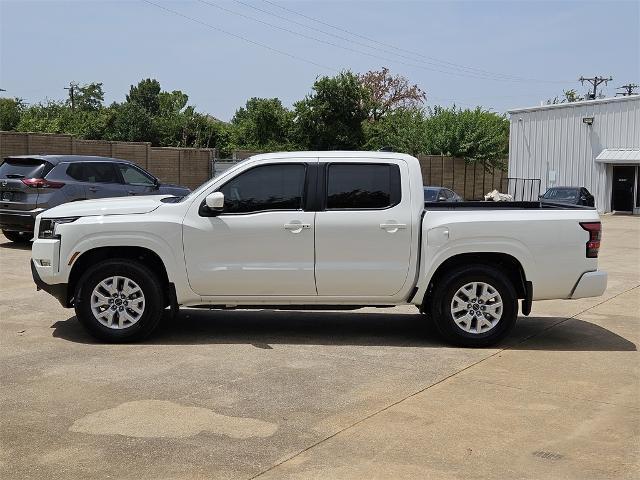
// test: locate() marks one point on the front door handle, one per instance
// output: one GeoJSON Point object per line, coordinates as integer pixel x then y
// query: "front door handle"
{"type": "Point", "coordinates": [131, 192]}
{"type": "Point", "coordinates": [93, 189]}
{"type": "Point", "coordinates": [393, 227]}
{"type": "Point", "coordinates": [296, 227]}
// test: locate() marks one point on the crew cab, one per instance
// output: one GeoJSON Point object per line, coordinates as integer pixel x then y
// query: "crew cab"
{"type": "Point", "coordinates": [315, 230]}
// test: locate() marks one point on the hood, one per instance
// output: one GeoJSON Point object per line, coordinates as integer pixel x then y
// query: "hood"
{"type": "Point", "coordinates": [106, 206]}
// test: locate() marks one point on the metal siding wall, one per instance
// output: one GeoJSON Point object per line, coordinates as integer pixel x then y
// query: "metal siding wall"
{"type": "Point", "coordinates": [556, 139]}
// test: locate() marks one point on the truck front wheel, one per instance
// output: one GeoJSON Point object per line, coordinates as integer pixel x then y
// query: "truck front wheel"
{"type": "Point", "coordinates": [119, 301]}
{"type": "Point", "coordinates": [474, 306]}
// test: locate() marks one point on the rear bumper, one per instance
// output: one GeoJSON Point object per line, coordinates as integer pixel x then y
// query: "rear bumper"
{"type": "Point", "coordinates": [57, 290]}
{"type": "Point", "coordinates": [21, 222]}
{"type": "Point", "coordinates": [591, 284]}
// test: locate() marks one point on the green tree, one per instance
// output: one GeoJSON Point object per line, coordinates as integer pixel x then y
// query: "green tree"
{"type": "Point", "coordinates": [331, 117]}
{"type": "Point", "coordinates": [10, 112]}
{"type": "Point", "coordinates": [475, 135]}
{"type": "Point", "coordinates": [130, 122]}
{"type": "Point", "coordinates": [263, 124]}
{"type": "Point", "coordinates": [89, 97]}
{"type": "Point", "coordinates": [146, 94]}
{"type": "Point", "coordinates": [401, 129]}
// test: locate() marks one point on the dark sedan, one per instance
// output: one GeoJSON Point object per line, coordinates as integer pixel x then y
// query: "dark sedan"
{"type": "Point", "coordinates": [441, 194]}
{"type": "Point", "coordinates": [570, 195]}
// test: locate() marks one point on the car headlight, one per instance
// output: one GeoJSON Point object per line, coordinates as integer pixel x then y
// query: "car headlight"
{"type": "Point", "coordinates": [48, 226]}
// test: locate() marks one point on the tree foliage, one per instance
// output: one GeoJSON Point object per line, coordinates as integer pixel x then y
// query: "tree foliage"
{"type": "Point", "coordinates": [263, 124]}
{"type": "Point", "coordinates": [331, 117]}
{"type": "Point", "coordinates": [403, 130]}
{"type": "Point", "coordinates": [390, 92]}
{"type": "Point", "coordinates": [10, 112]}
{"type": "Point", "coordinates": [476, 135]}
{"type": "Point", "coordinates": [568, 96]}
{"type": "Point", "coordinates": [345, 111]}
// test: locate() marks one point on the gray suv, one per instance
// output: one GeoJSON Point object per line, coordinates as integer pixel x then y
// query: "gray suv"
{"type": "Point", "coordinates": [30, 184]}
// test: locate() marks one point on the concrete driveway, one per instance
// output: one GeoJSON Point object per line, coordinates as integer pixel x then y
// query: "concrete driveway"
{"type": "Point", "coordinates": [371, 394]}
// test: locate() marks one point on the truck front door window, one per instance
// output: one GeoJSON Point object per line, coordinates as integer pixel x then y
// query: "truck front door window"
{"type": "Point", "coordinates": [269, 187]}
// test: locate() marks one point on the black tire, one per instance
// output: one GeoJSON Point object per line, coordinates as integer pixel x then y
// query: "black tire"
{"type": "Point", "coordinates": [22, 238]}
{"type": "Point", "coordinates": [443, 295]}
{"type": "Point", "coordinates": [149, 285]}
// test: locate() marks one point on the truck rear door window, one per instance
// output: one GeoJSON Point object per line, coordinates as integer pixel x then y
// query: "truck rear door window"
{"type": "Point", "coordinates": [358, 186]}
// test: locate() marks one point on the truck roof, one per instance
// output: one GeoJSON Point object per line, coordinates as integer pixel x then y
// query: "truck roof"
{"type": "Point", "coordinates": [337, 154]}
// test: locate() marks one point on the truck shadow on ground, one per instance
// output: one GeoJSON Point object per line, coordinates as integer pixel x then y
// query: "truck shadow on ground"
{"type": "Point", "coordinates": [15, 246]}
{"type": "Point", "coordinates": [266, 327]}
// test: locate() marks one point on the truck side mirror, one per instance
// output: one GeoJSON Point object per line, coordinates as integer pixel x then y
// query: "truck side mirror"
{"type": "Point", "coordinates": [215, 201]}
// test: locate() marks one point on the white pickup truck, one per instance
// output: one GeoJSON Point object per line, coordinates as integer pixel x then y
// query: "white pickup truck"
{"type": "Point", "coordinates": [315, 230]}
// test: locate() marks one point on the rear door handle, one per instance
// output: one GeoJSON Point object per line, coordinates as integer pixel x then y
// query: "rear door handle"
{"type": "Point", "coordinates": [130, 192]}
{"type": "Point", "coordinates": [296, 227]}
{"type": "Point", "coordinates": [93, 189]}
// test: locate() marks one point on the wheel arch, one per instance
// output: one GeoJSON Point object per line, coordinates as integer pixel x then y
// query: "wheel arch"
{"type": "Point", "coordinates": [142, 254]}
{"type": "Point", "coordinates": [502, 261]}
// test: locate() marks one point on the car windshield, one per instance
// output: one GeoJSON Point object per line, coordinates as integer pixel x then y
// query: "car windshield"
{"type": "Point", "coordinates": [23, 168]}
{"type": "Point", "coordinates": [561, 194]}
{"type": "Point", "coordinates": [431, 194]}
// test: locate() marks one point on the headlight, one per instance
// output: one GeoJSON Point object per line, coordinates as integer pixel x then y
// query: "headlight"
{"type": "Point", "coordinates": [48, 226]}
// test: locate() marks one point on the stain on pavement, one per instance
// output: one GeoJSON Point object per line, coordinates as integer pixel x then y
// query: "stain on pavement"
{"type": "Point", "coordinates": [160, 418]}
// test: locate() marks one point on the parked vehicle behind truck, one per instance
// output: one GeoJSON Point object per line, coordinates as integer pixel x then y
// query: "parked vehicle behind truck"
{"type": "Point", "coordinates": [31, 184]}
{"type": "Point", "coordinates": [315, 230]}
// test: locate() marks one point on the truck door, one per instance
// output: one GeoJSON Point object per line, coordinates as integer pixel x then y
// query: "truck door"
{"type": "Point", "coordinates": [363, 233]}
{"type": "Point", "coordinates": [261, 243]}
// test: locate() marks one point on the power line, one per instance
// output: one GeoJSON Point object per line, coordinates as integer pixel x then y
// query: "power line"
{"type": "Point", "coordinates": [240, 37]}
{"type": "Point", "coordinates": [435, 62]}
{"type": "Point", "coordinates": [443, 63]}
{"type": "Point", "coordinates": [359, 52]}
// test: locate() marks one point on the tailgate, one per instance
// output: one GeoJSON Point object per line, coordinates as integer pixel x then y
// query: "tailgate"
{"type": "Point", "coordinates": [14, 193]}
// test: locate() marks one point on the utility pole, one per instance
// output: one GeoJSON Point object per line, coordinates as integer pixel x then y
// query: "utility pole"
{"type": "Point", "coordinates": [629, 87]}
{"type": "Point", "coordinates": [595, 81]}
{"type": "Point", "coordinates": [72, 92]}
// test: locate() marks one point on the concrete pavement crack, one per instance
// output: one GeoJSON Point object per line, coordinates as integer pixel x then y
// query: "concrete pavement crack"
{"type": "Point", "coordinates": [442, 380]}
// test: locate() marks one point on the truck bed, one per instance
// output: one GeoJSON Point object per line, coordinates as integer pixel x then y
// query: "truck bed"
{"type": "Point", "coordinates": [479, 204]}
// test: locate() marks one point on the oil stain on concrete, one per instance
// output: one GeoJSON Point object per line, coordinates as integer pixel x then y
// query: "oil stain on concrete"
{"type": "Point", "coordinates": [159, 418]}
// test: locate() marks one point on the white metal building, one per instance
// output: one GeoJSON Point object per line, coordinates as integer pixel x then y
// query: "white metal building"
{"type": "Point", "coordinates": [593, 144]}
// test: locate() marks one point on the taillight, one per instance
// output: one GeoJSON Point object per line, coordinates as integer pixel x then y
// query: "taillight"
{"type": "Point", "coordinates": [595, 234]}
{"type": "Point", "coordinates": [41, 183]}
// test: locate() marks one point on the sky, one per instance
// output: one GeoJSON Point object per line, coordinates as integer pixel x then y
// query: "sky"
{"type": "Point", "coordinates": [498, 54]}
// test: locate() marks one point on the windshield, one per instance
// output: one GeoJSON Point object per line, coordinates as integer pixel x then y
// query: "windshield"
{"type": "Point", "coordinates": [23, 168]}
{"type": "Point", "coordinates": [561, 194]}
{"type": "Point", "coordinates": [430, 194]}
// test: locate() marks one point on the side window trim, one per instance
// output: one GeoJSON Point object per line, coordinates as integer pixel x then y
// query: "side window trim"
{"type": "Point", "coordinates": [396, 187]}
{"type": "Point", "coordinates": [305, 191]}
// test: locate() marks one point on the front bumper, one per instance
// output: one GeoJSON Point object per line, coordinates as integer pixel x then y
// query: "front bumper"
{"type": "Point", "coordinates": [591, 284]}
{"type": "Point", "coordinates": [20, 222]}
{"type": "Point", "coordinates": [58, 290]}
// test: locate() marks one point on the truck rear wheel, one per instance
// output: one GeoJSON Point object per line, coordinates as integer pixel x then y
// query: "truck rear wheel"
{"type": "Point", "coordinates": [119, 300]}
{"type": "Point", "coordinates": [474, 306]}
